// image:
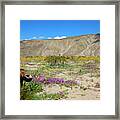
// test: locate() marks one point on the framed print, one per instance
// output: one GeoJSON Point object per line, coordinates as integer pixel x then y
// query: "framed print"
{"type": "Point", "coordinates": [59, 60]}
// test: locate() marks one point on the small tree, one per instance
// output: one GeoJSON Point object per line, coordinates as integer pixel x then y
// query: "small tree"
{"type": "Point", "coordinates": [56, 60]}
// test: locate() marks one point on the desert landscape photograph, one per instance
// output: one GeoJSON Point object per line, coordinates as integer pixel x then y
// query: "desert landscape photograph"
{"type": "Point", "coordinates": [59, 60]}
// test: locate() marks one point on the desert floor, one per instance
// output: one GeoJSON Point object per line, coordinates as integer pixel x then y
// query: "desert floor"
{"type": "Point", "coordinates": [85, 73]}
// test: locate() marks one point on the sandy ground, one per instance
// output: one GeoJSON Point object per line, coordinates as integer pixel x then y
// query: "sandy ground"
{"type": "Point", "coordinates": [88, 88]}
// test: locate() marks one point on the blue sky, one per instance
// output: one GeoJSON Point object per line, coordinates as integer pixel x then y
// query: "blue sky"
{"type": "Point", "coordinates": [49, 29]}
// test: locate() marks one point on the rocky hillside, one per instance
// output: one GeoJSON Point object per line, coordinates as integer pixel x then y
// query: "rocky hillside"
{"type": "Point", "coordinates": [85, 45]}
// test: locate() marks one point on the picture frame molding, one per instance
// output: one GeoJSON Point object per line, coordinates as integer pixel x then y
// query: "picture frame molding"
{"type": "Point", "coordinates": [70, 2]}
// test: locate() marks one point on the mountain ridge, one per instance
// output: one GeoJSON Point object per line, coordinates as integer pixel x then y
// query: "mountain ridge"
{"type": "Point", "coordinates": [83, 45]}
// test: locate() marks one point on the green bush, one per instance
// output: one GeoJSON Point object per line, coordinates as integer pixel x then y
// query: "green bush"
{"type": "Point", "coordinates": [28, 90]}
{"type": "Point", "coordinates": [45, 96]}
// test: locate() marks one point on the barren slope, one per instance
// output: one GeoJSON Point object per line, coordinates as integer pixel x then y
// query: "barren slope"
{"type": "Point", "coordinates": [85, 45]}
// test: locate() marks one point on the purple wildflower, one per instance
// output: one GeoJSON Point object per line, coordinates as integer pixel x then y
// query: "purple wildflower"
{"type": "Point", "coordinates": [42, 79]}
{"type": "Point", "coordinates": [56, 80]}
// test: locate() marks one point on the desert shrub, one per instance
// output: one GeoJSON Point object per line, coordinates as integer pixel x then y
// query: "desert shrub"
{"type": "Point", "coordinates": [55, 96]}
{"type": "Point", "coordinates": [28, 90]}
{"type": "Point", "coordinates": [36, 72]}
{"type": "Point", "coordinates": [56, 60]}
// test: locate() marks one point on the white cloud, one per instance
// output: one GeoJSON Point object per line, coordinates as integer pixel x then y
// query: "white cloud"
{"type": "Point", "coordinates": [40, 37]}
{"type": "Point", "coordinates": [34, 37]}
{"type": "Point", "coordinates": [59, 37]}
{"type": "Point", "coordinates": [27, 39]}
{"type": "Point", "coordinates": [49, 37]}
